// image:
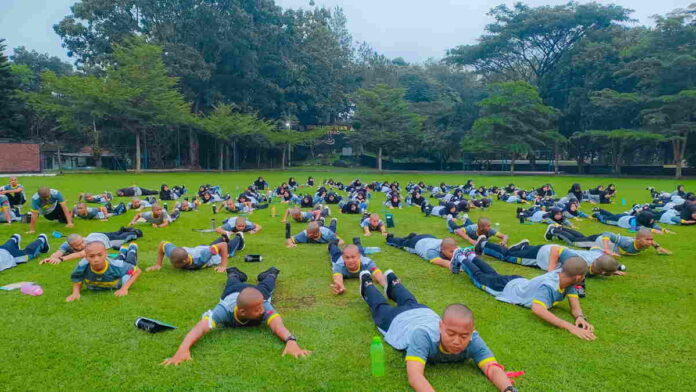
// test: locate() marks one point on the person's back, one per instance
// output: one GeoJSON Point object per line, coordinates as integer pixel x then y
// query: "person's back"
{"type": "Point", "coordinates": [543, 289]}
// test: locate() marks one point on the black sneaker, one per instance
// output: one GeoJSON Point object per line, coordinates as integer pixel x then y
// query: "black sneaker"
{"type": "Point", "coordinates": [520, 245]}
{"type": "Point", "coordinates": [480, 244]}
{"type": "Point", "coordinates": [389, 238]}
{"type": "Point", "coordinates": [548, 234]}
{"type": "Point", "coordinates": [365, 281]}
{"type": "Point", "coordinates": [46, 246]}
{"type": "Point", "coordinates": [236, 271]}
{"type": "Point", "coordinates": [356, 241]}
{"type": "Point", "coordinates": [581, 290]}
{"type": "Point", "coordinates": [241, 240]}
{"type": "Point", "coordinates": [273, 271]}
{"type": "Point", "coordinates": [595, 209]}
{"type": "Point", "coordinates": [287, 231]}
{"type": "Point", "coordinates": [392, 280]}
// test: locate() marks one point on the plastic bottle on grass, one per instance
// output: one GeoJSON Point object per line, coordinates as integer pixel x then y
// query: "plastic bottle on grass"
{"type": "Point", "coordinates": [372, 249]}
{"type": "Point", "coordinates": [377, 357]}
{"type": "Point", "coordinates": [31, 289]}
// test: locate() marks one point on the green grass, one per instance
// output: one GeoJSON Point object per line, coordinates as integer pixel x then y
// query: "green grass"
{"type": "Point", "coordinates": [644, 320]}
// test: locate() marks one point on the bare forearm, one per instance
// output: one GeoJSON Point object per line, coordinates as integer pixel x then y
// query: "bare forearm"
{"type": "Point", "coordinates": [497, 377]}
{"type": "Point", "coordinates": [549, 317]}
{"type": "Point", "coordinates": [194, 335]}
{"type": "Point", "coordinates": [132, 280]}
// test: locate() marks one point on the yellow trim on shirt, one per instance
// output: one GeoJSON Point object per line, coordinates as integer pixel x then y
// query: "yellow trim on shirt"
{"type": "Point", "coordinates": [415, 359]}
{"type": "Point", "coordinates": [540, 303]}
{"type": "Point", "coordinates": [106, 267]}
{"type": "Point", "coordinates": [164, 244]}
{"type": "Point", "coordinates": [337, 273]}
{"type": "Point", "coordinates": [486, 361]}
{"type": "Point", "coordinates": [376, 271]}
{"type": "Point", "coordinates": [211, 322]}
{"type": "Point", "coordinates": [433, 260]}
{"type": "Point", "coordinates": [268, 322]}
{"type": "Point", "coordinates": [572, 295]}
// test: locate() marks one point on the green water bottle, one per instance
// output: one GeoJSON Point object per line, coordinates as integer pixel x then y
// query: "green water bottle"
{"type": "Point", "coordinates": [390, 220]}
{"type": "Point", "coordinates": [377, 357]}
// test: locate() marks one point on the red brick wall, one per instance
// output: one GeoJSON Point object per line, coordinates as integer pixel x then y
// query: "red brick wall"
{"type": "Point", "coordinates": [19, 157]}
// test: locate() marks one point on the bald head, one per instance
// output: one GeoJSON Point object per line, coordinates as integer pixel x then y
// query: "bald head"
{"type": "Point", "coordinates": [448, 244]}
{"type": "Point", "coordinates": [44, 191]}
{"type": "Point", "coordinates": [484, 222]}
{"type": "Point", "coordinates": [95, 246]}
{"type": "Point", "coordinates": [179, 257]}
{"type": "Point", "coordinates": [74, 238]}
{"type": "Point", "coordinates": [574, 266]}
{"type": "Point", "coordinates": [644, 234]}
{"type": "Point", "coordinates": [604, 265]}
{"type": "Point", "coordinates": [312, 227]}
{"type": "Point", "coordinates": [249, 297]}
{"type": "Point", "coordinates": [458, 312]}
{"type": "Point", "coordinates": [351, 250]}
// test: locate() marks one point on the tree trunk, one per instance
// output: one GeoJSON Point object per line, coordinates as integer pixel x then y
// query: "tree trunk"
{"type": "Point", "coordinates": [289, 154]}
{"type": "Point", "coordinates": [512, 164]}
{"type": "Point", "coordinates": [60, 161]}
{"type": "Point", "coordinates": [222, 157]}
{"type": "Point", "coordinates": [676, 151]}
{"type": "Point", "coordinates": [379, 159]}
{"type": "Point", "coordinates": [282, 160]}
{"type": "Point", "coordinates": [193, 149]}
{"type": "Point", "coordinates": [228, 165]}
{"type": "Point", "coordinates": [258, 158]}
{"type": "Point", "coordinates": [619, 154]}
{"type": "Point", "coordinates": [137, 151]}
{"type": "Point", "coordinates": [235, 159]}
{"type": "Point", "coordinates": [556, 157]}
{"type": "Point", "coordinates": [96, 150]}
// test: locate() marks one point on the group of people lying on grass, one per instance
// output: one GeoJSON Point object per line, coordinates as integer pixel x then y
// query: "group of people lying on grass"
{"type": "Point", "coordinates": [410, 326]}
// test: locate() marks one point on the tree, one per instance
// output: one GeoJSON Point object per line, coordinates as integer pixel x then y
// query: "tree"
{"type": "Point", "coordinates": [287, 138]}
{"type": "Point", "coordinates": [134, 93]}
{"type": "Point", "coordinates": [619, 141]}
{"type": "Point", "coordinates": [673, 116]}
{"type": "Point", "coordinates": [10, 107]}
{"type": "Point", "coordinates": [384, 121]}
{"type": "Point", "coordinates": [526, 43]}
{"type": "Point", "coordinates": [513, 121]}
{"type": "Point", "coordinates": [228, 126]}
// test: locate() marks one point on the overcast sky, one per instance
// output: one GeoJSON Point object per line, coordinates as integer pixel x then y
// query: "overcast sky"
{"type": "Point", "coordinates": [413, 29]}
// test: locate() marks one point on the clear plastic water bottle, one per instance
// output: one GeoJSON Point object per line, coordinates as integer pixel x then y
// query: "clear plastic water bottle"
{"type": "Point", "coordinates": [377, 357]}
{"type": "Point", "coordinates": [372, 249]}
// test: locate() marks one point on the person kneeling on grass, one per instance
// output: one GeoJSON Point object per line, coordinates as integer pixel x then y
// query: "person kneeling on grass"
{"type": "Point", "coordinates": [98, 272]}
{"type": "Point", "coordinates": [349, 263]}
{"type": "Point", "coordinates": [435, 250]}
{"type": "Point", "coordinates": [539, 294]}
{"type": "Point", "coordinates": [241, 305]}
{"type": "Point", "coordinates": [415, 328]}
{"type": "Point", "coordinates": [202, 256]}
{"type": "Point", "coordinates": [238, 224]}
{"type": "Point", "coordinates": [315, 234]}
{"type": "Point", "coordinates": [371, 223]}
{"type": "Point", "coordinates": [471, 232]}
{"type": "Point", "coordinates": [11, 252]}
{"type": "Point", "coordinates": [158, 217]}
{"type": "Point", "coordinates": [74, 246]}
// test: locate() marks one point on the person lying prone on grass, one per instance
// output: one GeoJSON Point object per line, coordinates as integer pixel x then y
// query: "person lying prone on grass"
{"type": "Point", "coordinates": [202, 256]}
{"type": "Point", "coordinates": [349, 263]}
{"type": "Point", "coordinates": [98, 272]}
{"type": "Point", "coordinates": [241, 305]}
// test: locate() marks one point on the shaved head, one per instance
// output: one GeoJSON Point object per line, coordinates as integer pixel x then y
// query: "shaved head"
{"type": "Point", "coordinates": [249, 297]}
{"type": "Point", "coordinates": [448, 243]}
{"type": "Point", "coordinates": [484, 222]}
{"type": "Point", "coordinates": [44, 191]}
{"type": "Point", "coordinates": [95, 245]}
{"type": "Point", "coordinates": [179, 257]}
{"type": "Point", "coordinates": [604, 265]}
{"type": "Point", "coordinates": [351, 249]}
{"type": "Point", "coordinates": [313, 227]}
{"type": "Point", "coordinates": [458, 312]}
{"type": "Point", "coordinates": [73, 238]}
{"type": "Point", "coordinates": [574, 266]}
{"type": "Point", "coordinates": [644, 233]}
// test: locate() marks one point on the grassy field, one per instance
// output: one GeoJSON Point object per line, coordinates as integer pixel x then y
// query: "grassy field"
{"type": "Point", "coordinates": [644, 320]}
